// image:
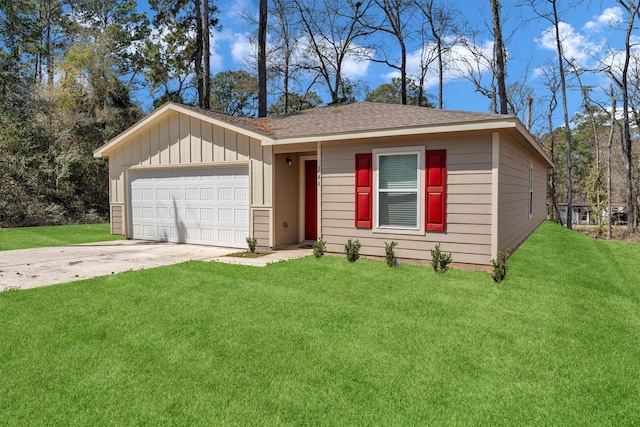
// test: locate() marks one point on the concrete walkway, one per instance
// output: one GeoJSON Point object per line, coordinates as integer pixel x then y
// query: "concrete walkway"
{"type": "Point", "coordinates": [31, 268]}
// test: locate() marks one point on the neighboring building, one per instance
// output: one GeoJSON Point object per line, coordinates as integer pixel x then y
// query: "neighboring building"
{"type": "Point", "coordinates": [585, 214]}
{"type": "Point", "coordinates": [476, 183]}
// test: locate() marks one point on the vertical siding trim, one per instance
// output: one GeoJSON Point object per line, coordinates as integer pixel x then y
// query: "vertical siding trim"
{"type": "Point", "coordinates": [126, 211]}
{"type": "Point", "coordinates": [495, 163]}
{"type": "Point", "coordinates": [319, 186]}
{"type": "Point", "coordinates": [269, 188]}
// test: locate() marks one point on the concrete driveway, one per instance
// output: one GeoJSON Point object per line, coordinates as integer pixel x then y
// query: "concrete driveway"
{"type": "Point", "coordinates": [31, 268]}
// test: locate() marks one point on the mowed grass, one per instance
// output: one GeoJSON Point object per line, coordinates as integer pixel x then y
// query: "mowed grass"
{"type": "Point", "coordinates": [325, 342]}
{"type": "Point", "coordinates": [39, 237]}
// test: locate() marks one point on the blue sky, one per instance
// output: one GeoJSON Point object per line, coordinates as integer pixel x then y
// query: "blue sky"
{"type": "Point", "coordinates": [586, 31]}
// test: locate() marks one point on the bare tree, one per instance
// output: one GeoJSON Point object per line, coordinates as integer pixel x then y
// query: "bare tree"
{"type": "Point", "coordinates": [482, 57]}
{"type": "Point", "coordinates": [589, 108]}
{"type": "Point", "coordinates": [552, 84]}
{"type": "Point", "coordinates": [609, 144]}
{"type": "Point", "coordinates": [548, 10]}
{"type": "Point", "coordinates": [397, 21]}
{"type": "Point", "coordinates": [621, 79]}
{"type": "Point", "coordinates": [441, 21]}
{"type": "Point", "coordinates": [427, 56]}
{"type": "Point", "coordinates": [473, 67]}
{"type": "Point", "coordinates": [331, 29]}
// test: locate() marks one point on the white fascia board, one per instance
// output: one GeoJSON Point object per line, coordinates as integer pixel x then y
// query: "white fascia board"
{"type": "Point", "coordinates": [523, 130]}
{"type": "Point", "coordinates": [452, 128]}
{"type": "Point", "coordinates": [103, 150]}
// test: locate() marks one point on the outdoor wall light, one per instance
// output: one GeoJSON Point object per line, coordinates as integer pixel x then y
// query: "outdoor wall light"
{"type": "Point", "coordinates": [288, 160]}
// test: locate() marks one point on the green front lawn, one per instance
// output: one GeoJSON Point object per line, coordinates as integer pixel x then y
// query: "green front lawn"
{"type": "Point", "coordinates": [326, 342]}
{"type": "Point", "coordinates": [59, 235]}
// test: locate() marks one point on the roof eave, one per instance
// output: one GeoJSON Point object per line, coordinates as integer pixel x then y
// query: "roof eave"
{"type": "Point", "coordinates": [537, 147]}
{"type": "Point", "coordinates": [416, 130]}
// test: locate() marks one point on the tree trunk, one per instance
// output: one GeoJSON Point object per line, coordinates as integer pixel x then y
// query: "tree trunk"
{"type": "Point", "coordinates": [632, 10]}
{"type": "Point", "coordinates": [403, 70]}
{"type": "Point", "coordinates": [552, 173]}
{"type": "Point", "coordinates": [567, 130]}
{"type": "Point", "coordinates": [197, 56]}
{"type": "Point", "coordinates": [440, 73]}
{"type": "Point", "coordinates": [206, 55]}
{"type": "Point", "coordinates": [262, 60]}
{"type": "Point", "coordinates": [609, 143]}
{"type": "Point", "coordinates": [499, 56]}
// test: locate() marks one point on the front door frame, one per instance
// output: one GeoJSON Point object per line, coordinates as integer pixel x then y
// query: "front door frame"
{"type": "Point", "coordinates": [302, 195]}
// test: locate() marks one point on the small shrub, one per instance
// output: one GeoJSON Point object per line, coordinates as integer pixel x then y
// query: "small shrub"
{"type": "Point", "coordinates": [319, 247]}
{"type": "Point", "coordinates": [390, 255]}
{"type": "Point", "coordinates": [352, 249]}
{"type": "Point", "coordinates": [252, 242]}
{"type": "Point", "coordinates": [500, 266]}
{"type": "Point", "coordinates": [439, 259]}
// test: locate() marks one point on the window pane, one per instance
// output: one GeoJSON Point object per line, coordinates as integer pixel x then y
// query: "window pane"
{"type": "Point", "coordinates": [398, 209]}
{"type": "Point", "coordinates": [398, 172]}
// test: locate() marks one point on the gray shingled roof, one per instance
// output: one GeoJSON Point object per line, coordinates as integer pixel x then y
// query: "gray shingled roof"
{"type": "Point", "coordinates": [367, 116]}
{"type": "Point", "coordinates": [350, 118]}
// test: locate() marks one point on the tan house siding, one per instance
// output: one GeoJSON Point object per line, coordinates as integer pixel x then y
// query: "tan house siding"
{"type": "Point", "coordinates": [285, 229]}
{"type": "Point", "coordinates": [514, 222]}
{"type": "Point", "coordinates": [117, 219]}
{"type": "Point", "coordinates": [261, 219]}
{"type": "Point", "coordinates": [468, 235]}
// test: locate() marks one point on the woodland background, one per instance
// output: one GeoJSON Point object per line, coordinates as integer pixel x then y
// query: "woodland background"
{"type": "Point", "coordinates": [75, 73]}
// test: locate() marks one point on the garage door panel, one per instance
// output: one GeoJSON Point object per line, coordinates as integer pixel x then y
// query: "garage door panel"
{"type": "Point", "coordinates": [162, 194]}
{"type": "Point", "coordinates": [207, 206]}
{"type": "Point", "coordinates": [207, 215]}
{"type": "Point", "coordinates": [241, 215]}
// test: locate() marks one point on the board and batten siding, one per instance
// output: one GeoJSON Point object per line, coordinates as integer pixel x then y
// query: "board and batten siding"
{"type": "Point", "coordinates": [514, 223]}
{"type": "Point", "coordinates": [178, 139]}
{"type": "Point", "coordinates": [468, 229]}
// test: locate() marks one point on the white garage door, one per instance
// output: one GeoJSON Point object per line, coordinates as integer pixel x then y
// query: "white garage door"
{"type": "Point", "coordinates": [204, 206]}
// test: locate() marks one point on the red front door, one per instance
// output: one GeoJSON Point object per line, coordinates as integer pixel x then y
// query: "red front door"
{"type": "Point", "coordinates": [310, 200]}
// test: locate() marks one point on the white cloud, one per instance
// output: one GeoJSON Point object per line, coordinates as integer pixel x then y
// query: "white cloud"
{"type": "Point", "coordinates": [235, 9]}
{"type": "Point", "coordinates": [609, 17]}
{"type": "Point", "coordinates": [577, 47]}
{"type": "Point", "coordinates": [227, 41]}
{"type": "Point", "coordinates": [537, 73]}
{"type": "Point", "coordinates": [355, 65]}
{"type": "Point", "coordinates": [242, 48]}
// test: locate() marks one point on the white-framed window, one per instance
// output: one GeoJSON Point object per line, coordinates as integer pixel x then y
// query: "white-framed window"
{"type": "Point", "coordinates": [398, 194]}
{"type": "Point", "coordinates": [530, 190]}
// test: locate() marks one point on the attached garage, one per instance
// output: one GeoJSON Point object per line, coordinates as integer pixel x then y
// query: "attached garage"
{"type": "Point", "coordinates": [183, 175]}
{"type": "Point", "coordinates": [207, 206]}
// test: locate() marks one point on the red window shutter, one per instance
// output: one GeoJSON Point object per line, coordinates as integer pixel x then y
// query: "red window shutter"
{"type": "Point", "coordinates": [436, 190]}
{"type": "Point", "coordinates": [364, 188]}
